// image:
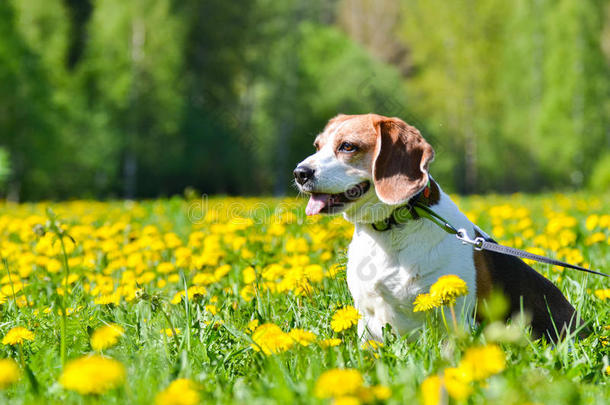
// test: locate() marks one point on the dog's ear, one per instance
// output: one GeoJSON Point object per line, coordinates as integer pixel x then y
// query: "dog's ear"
{"type": "Point", "coordinates": [400, 165]}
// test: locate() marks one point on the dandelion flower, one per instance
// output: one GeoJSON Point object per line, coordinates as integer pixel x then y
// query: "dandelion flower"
{"type": "Point", "coordinates": [252, 325]}
{"type": "Point", "coordinates": [17, 336]}
{"type": "Point", "coordinates": [249, 275]}
{"type": "Point", "coordinates": [108, 299]}
{"type": "Point", "coordinates": [347, 400]}
{"type": "Point", "coordinates": [335, 269]}
{"type": "Point", "coordinates": [302, 337]}
{"type": "Point", "coordinates": [92, 375]}
{"type": "Point", "coordinates": [603, 294]}
{"type": "Point", "coordinates": [106, 336]}
{"type": "Point", "coordinates": [271, 339]}
{"type": "Point", "coordinates": [177, 299]}
{"type": "Point", "coordinates": [247, 293]}
{"type": "Point", "coordinates": [381, 392]}
{"type": "Point", "coordinates": [332, 342]}
{"type": "Point", "coordinates": [344, 318]}
{"type": "Point", "coordinates": [457, 382]}
{"type": "Point", "coordinates": [425, 302]}
{"type": "Point", "coordinates": [9, 373]}
{"type": "Point", "coordinates": [371, 345]}
{"type": "Point", "coordinates": [180, 392]}
{"type": "Point", "coordinates": [165, 267]}
{"type": "Point", "coordinates": [484, 361]}
{"type": "Point", "coordinates": [338, 383]}
{"type": "Point", "coordinates": [448, 288]}
{"type": "Point", "coordinates": [197, 292]}
{"type": "Point", "coordinates": [169, 333]}
{"type": "Point", "coordinates": [12, 289]}
{"type": "Point", "coordinates": [431, 390]}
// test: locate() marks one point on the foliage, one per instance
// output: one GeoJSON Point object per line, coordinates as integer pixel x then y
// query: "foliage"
{"type": "Point", "coordinates": [523, 83]}
{"type": "Point", "coordinates": [243, 300]}
{"type": "Point", "coordinates": [103, 98]}
{"type": "Point", "coordinates": [600, 178]}
{"type": "Point", "coordinates": [5, 167]}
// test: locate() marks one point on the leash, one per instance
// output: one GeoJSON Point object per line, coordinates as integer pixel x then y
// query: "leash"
{"type": "Point", "coordinates": [416, 208]}
{"type": "Point", "coordinates": [480, 243]}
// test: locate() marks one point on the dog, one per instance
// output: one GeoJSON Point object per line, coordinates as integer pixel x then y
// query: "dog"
{"type": "Point", "coordinates": [365, 167]}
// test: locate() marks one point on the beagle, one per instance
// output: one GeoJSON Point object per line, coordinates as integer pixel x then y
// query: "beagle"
{"type": "Point", "coordinates": [367, 166]}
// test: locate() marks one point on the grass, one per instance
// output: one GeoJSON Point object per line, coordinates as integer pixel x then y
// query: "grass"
{"type": "Point", "coordinates": [262, 260]}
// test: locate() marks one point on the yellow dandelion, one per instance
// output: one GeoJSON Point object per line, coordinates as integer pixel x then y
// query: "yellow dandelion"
{"type": "Point", "coordinates": [371, 345]}
{"type": "Point", "coordinates": [302, 337]}
{"type": "Point", "coordinates": [204, 278]}
{"type": "Point", "coordinates": [12, 288]}
{"type": "Point", "coordinates": [214, 324]}
{"type": "Point", "coordinates": [448, 288]}
{"type": "Point", "coordinates": [332, 342]}
{"type": "Point", "coordinates": [457, 382]}
{"type": "Point", "coordinates": [165, 267]}
{"type": "Point", "coordinates": [338, 383]}
{"type": "Point", "coordinates": [211, 309]}
{"type": "Point", "coordinates": [425, 302]}
{"type": "Point", "coordinates": [247, 293]}
{"type": "Point", "coordinates": [180, 392]}
{"type": "Point", "coordinates": [603, 294]}
{"type": "Point", "coordinates": [607, 370]}
{"type": "Point", "coordinates": [22, 301]}
{"type": "Point", "coordinates": [335, 269]}
{"type": "Point", "coordinates": [252, 325]}
{"type": "Point", "coordinates": [92, 375]}
{"type": "Point", "coordinates": [17, 336]}
{"type": "Point", "coordinates": [249, 275]}
{"type": "Point", "coordinates": [271, 339]}
{"type": "Point", "coordinates": [381, 392]}
{"type": "Point", "coordinates": [482, 362]}
{"type": "Point", "coordinates": [177, 299]}
{"type": "Point", "coordinates": [169, 333]}
{"type": "Point", "coordinates": [365, 395]}
{"type": "Point", "coordinates": [108, 299]}
{"type": "Point", "coordinates": [431, 390]}
{"type": "Point", "coordinates": [197, 292]}
{"type": "Point", "coordinates": [9, 373]}
{"type": "Point", "coordinates": [106, 336]}
{"type": "Point", "coordinates": [347, 400]}
{"type": "Point", "coordinates": [345, 318]}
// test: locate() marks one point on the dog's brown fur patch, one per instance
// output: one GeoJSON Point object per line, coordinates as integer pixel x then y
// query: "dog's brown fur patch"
{"type": "Point", "coordinates": [401, 165]}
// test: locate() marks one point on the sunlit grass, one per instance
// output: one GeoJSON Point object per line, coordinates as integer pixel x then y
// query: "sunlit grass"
{"type": "Point", "coordinates": [244, 301]}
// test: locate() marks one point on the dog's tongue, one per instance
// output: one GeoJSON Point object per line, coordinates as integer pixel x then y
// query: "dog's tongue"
{"type": "Point", "coordinates": [316, 203]}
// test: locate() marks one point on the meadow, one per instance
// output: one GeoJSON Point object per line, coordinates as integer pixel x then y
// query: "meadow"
{"type": "Point", "coordinates": [244, 300]}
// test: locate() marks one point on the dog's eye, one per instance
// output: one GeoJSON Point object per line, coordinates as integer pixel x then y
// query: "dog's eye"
{"type": "Point", "coordinates": [347, 147]}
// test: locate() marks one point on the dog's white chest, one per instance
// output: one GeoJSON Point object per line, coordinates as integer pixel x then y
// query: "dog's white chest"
{"type": "Point", "coordinates": [383, 289]}
{"type": "Point", "coordinates": [386, 272]}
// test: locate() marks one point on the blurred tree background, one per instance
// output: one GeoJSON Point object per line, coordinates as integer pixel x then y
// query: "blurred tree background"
{"type": "Point", "coordinates": [143, 98]}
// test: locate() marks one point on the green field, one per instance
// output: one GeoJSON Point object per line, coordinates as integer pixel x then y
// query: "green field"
{"type": "Point", "coordinates": [236, 299]}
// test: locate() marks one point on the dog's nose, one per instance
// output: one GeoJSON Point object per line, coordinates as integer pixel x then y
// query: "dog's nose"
{"type": "Point", "coordinates": [302, 174]}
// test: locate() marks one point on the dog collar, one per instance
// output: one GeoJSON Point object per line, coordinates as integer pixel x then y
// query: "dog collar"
{"type": "Point", "coordinates": [405, 212]}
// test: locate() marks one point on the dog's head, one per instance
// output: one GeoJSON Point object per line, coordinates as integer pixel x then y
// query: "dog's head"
{"type": "Point", "coordinates": [363, 166]}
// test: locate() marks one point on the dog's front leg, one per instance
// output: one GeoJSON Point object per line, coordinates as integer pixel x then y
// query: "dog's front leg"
{"type": "Point", "coordinates": [370, 328]}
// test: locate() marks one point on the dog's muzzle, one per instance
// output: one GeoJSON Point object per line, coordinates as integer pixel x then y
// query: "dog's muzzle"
{"type": "Point", "coordinates": [303, 174]}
